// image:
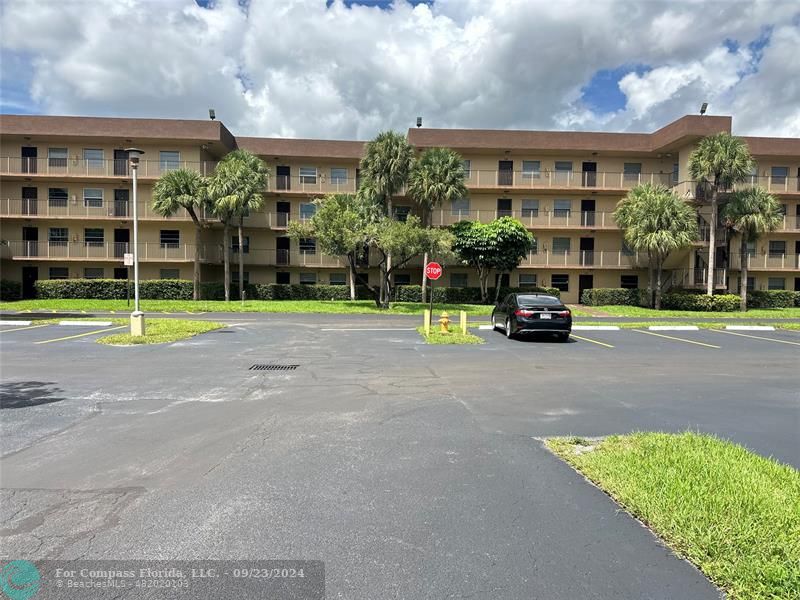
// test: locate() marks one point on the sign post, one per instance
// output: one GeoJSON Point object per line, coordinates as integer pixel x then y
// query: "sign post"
{"type": "Point", "coordinates": [127, 260]}
{"type": "Point", "coordinates": [433, 271]}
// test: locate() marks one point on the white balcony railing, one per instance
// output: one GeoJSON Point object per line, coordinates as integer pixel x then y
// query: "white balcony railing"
{"type": "Point", "coordinates": [104, 251]}
{"type": "Point", "coordinates": [582, 258]}
{"type": "Point", "coordinates": [80, 167]}
{"type": "Point", "coordinates": [767, 262]}
{"type": "Point", "coordinates": [531, 218]}
{"type": "Point", "coordinates": [78, 208]}
{"type": "Point", "coordinates": [479, 178]}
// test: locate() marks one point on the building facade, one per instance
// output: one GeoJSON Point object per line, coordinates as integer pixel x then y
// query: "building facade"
{"type": "Point", "coordinates": [66, 202]}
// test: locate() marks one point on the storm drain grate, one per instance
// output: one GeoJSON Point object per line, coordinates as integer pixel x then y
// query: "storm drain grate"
{"type": "Point", "coordinates": [273, 367]}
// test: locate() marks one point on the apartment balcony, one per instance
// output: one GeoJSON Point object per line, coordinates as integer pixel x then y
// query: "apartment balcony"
{"type": "Point", "coordinates": [767, 262]}
{"type": "Point", "coordinates": [584, 259]}
{"type": "Point", "coordinates": [31, 208]}
{"type": "Point", "coordinates": [532, 219]}
{"type": "Point", "coordinates": [696, 279]}
{"type": "Point", "coordinates": [775, 185]}
{"type": "Point", "coordinates": [319, 184]}
{"type": "Point", "coordinates": [88, 169]}
{"type": "Point", "coordinates": [101, 251]}
{"type": "Point", "coordinates": [562, 180]}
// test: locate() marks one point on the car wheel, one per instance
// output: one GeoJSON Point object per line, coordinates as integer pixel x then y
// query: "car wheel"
{"type": "Point", "coordinates": [563, 337]}
{"type": "Point", "coordinates": [494, 323]}
{"type": "Point", "coordinates": [509, 331]}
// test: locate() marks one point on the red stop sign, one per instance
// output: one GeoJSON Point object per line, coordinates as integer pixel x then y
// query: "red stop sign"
{"type": "Point", "coordinates": [433, 271]}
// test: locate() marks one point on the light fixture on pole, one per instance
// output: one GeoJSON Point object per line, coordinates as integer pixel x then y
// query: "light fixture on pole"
{"type": "Point", "coordinates": [137, 316]}
{"type": "Point", "coordinates": [704, 108]}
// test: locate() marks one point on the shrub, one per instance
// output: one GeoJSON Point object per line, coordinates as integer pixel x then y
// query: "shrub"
{"type": "Point", "coordinates": [281, 291]}
{"type": "Point", "coordinates": [10, 290]}
{"type": "Point", "coordinates": [700, 302]}
{"type": "Point", "coordinates": [462, 295]}
{"type": "Point", "coordinates": [773, 299]}
{"type": "Point", "coordinates": [609, 296]}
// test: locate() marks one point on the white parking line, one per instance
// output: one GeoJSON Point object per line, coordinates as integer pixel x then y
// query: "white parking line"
{"type": "Point", "coordinates": [757, 337]}
{"type": "Point", "coordinates": [750, 327]}
{"type": "Point", "coordinates": [595, 328]}
{"type": "Point", "coordinates": [20, 323]}
{"type": "Point", "coordinates": [85, 323]}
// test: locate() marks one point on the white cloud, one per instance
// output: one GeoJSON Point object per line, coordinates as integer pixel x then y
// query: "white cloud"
{"type": "Point", "coordinates": [310, 70]}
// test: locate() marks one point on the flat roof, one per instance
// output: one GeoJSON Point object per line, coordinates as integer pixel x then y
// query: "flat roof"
{"type": "Point", "coordinates": [292, 147]}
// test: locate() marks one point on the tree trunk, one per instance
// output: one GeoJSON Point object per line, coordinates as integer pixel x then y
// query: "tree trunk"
{"type": "Point", "coordinates": [352, 279]}
{"type": "Point", "coordinates": [196, 277]}
{"type": "Point", "coordinates": [498, 281]}
{"type": "Point", "coordinates": [424, 278]}
{"type": "Point", "coordinates": [743, 276]}
{"type": "Point", "coordinates": [483, 277]}
{"type": "Point", "coordinates": [376, 292]}
{"type": "Point", "coordinates": [658, 282]}
{"type": "Point", "coordinates": [650, 277]}
{"type": "Point", "coordinates": [712, 240]}
{"type": "Point", "coordinates": [226, 258]}
{"type": "Point", "coordinates": [388, 270]}
{"type": "Point", "coordinates": [241, 258]}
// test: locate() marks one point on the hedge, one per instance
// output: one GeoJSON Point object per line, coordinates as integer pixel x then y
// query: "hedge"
{"type": "Point", "coordinates": [10, 290]}
{"type": "Point", "coordinates": [611, 296]}
{"type": "Point", "coordinates": [700, 302]}
{"type": "Point", "coordinates": [462, 295]}
{"type": "Point", "coordinates": [772, 299]}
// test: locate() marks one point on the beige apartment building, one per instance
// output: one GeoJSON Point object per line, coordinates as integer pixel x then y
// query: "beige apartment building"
{"type": "Point", "coordinates": [66, 202]}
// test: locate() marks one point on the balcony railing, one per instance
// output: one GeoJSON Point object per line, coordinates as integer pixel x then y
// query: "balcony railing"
{"type": "Point", "coordinates": [476, 178]}
{"type": "Point", "coordinates": [582, 258]}
{"type": "Point", "coordinates": [692, 279]}
{"type": "Point", "coordinates": [80, 167]}
{"type": "Point", "coordinates": [319, 184]}
{"type": "Point", "coordinates": [767, 262]}
{"type": "Point", "coordinates": [531, 218]}
{"type": "Point", "coordinates": [105, 251]}
{"type": "Point", "coordinates": [44, 208]}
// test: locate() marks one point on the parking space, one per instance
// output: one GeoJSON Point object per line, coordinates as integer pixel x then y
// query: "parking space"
{"type": "Point", "coordinates": [51, 333]}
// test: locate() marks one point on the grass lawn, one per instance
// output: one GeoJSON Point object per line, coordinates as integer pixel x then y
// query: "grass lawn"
{"type": "Point", "coordinates": [755, 313]}
{"type": "Point", "coordinates": [268, 306]}
{"type": "Point", "coordinates": [161, 331]}
{"type": "Point", "coordinates": [734, 514]}
{"type": "Point", "coordinates": [791, 325]}
{"type": "Point", "coordinates": [454, 337]}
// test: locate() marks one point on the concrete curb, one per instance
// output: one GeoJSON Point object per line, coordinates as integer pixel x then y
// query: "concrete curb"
{"type": "Point", "coordinates": [485, 327]}
{"type": "Point", "coordinates": [22, 323]}
{"type": "Point", "coordinates": [85, 323]}
{"type": "Point", "coordinates": [674, 328]}
{"type": "Point", "coordinates": [750, 327]}
{"type": "Point", "coordinates": [595, 328]}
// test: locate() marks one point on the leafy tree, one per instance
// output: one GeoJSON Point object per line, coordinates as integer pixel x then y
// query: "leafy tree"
{"type": "Point", "coordinates": [185, 189]}
{"type": "Point", "coordinates": [751, 212]}
{"type": "Point", "coordinates": [656, 222]}
{"type": "Point", "coordinates": [718, 162]}
{"type": "Point", "coordinates": [237, 188]}
{"type": "Point", "coordinates": [499, 245]}
{"type": "Point", "coordinates": [340, 226]}
{"type": "Point", "coordinates": [387, 163]}
{"type": "Point", "coordinates": [437, 178]}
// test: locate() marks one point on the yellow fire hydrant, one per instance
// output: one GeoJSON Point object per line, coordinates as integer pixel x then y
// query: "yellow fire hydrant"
{"type": "Point", "coordinates": [444, 321]}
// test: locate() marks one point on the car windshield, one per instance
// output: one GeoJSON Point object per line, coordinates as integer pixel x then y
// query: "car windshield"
{"type": "Point", "coordinates": [538, 300]}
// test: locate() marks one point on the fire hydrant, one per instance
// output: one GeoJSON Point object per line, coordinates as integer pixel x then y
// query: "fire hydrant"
{"type": "Point", "coordinates": [443, 323]}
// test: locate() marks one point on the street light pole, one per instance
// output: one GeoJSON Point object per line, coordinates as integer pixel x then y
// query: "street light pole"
{"type": "Point", "coordinates": [137, 316]}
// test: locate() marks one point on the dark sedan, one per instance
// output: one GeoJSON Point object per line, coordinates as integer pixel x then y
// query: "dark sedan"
{"type": "Point", "coordinates": [530, 313]}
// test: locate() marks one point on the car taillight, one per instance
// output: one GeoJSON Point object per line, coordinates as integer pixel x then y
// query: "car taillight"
{"type": "Point", "coordinates": [563, 314]}
{"type": "Point", "coordinates": [523, 313]}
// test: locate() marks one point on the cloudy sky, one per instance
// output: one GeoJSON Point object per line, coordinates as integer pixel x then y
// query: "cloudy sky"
{"type": "Point", "coordinates": [345, 69]}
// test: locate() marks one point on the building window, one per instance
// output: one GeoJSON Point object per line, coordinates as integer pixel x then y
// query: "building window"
{"type": "Point", "coordinates": [530, 208]}
{"type": "Point", "coordinates": [459, 280]}
{"type": "Point", "coordinates": [626, 250]}
{"type": "Point", "coordinates": [532, 169]}
{"type": "Point", "coordinates": [751, 284]}
{"type": "Point", "coordinates": [170, 238]}
{"type": "Point", "coordinates": [562, 208]}
{"type": "Point", "coordinates": [338, 175]}
{"type": "Point", "coordinates": [401, 213]}
{"type": "Point", "coordinates": [460, 208]}
{"type": "Point", "coordinates": [59, 273]}
{"type": "Point", "coordinates": [94, 273]}
{"type": "Point", "coordinates": [751, 248]}
{"type": "Point", "coordinates": [779, 175]}
{"type": "Point", "coordinates": [57, 157]}
{"type": "Point", "coordinates": [169, 273]}
{"type": "Point", "coordinates": [308, 278]}
{"type": "Point", "coordinates": [535, 246]}
{"type": "Point", "coordinates": [561, 245]}
{"type": "Point", "coordinates": [58, 236]}
{"type": "Point", "coordinates": [527, 280]}
{"type": "Point", "coordinates": [94, 236]}
{"type": "Point", "coordinates": [308, 246]}
{"type": "Point", "coordinates": [563, 166]}
{"type": "Point", "coordinates": [466, 165]}
{"type": "Point", "coordinates": [777, 248]}
{"type": "Point", "coordinates": [93, 197]}
{"type": "Point", "coordinates": [94, 159]}
{"type": "Point", "coordinates": [169, 160]}
{"type": "Point", "coordinates": [560, 282]}
{"type": "Point", "coordinates": [57, 197]}
{"type": "Point", "coordinates": [235, 277]}
{"type": "Point", "coordinates": [308, 175]}
{"type": "Point", "coordinates": [776, 283]}
{"type": "Point", "coordinates": [629, 282]}
{"type": "Point", "coordinates": [282, 277]}
{"type": "Point", "coordinates": [676, 173]}
{"type": "Point", "coordinates": [307, 210]}
{"type": "Point", "coordinates": [402, 279]}
{"type": "Point", "coordinates": [338, 279]}
{"type": "Point", "coordinates": [235, 244]}
{"type": "Point", "coordinates": [632, 172]}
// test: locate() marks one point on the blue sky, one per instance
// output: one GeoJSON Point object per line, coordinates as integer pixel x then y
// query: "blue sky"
{"type": "Point", "coordinates": [316, 68]}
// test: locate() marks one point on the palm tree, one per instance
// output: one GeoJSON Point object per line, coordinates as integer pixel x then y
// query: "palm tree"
{"type": "Point", "coordinates": [387, 163]}
{"type": "Point", "coordinates": [237, 187]}
{"type": "Point", "coordinates": [185, 189]}
{"type": "Point", "coordinates": [437, 178]}
{"type": "Point", "coordinates": [751, 213]}
{"type": "Point", "coordinates": [718, 162]}
{"type": "Point", "coordinates": [656, 221]}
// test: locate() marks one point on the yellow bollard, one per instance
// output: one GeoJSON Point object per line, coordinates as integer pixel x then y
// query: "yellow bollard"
{"type": "Point", "coordinates": [443, 323]}
{"type": "Point", "coordinates": [463, 318]}
{"type": "Point", "coordinates": [427, 322]}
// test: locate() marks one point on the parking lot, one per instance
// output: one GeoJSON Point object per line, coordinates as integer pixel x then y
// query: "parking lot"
{"type": "Point", "coordinates": [373, 451]}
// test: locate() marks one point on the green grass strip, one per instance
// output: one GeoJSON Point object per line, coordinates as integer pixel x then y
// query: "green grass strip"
{"type": "Point", "coordinates": [453, 337]}
{"type": "Point", "coordinates": [753, 313]}
{"type": "Point", "coordinates": [162, 331]}
{"type": "Point", "coordinates": [734, 514]}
